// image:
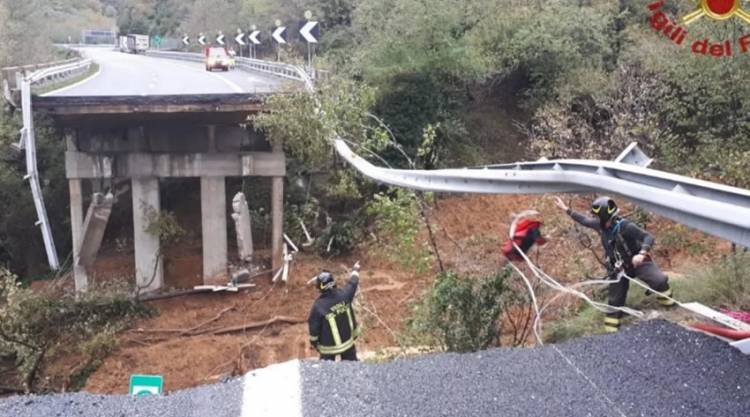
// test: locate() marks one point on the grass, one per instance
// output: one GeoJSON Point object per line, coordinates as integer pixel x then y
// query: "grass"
{"type": "Point", "coordinates": [93, 69]}
{"type": "Point", "coordinates": [585, 322]}
{"type": "Point", "coordinates": [724, 284]}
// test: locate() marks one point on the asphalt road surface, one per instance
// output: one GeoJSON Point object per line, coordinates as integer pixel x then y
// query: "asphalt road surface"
{"type": "Point", "coordinates": [134, 75]}
{"type": "Point", "coordinates": [650, 369]}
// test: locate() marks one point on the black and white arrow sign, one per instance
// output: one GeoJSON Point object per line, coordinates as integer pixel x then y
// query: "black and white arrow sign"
{"type": "Point", "coordinates": [186, 40]}
{"type": "Point", "coordinates": [202, 40]}
{"type": "Point", "coordinates": [240, 38]}
{"type": "Point", "coordinates": [220, 39]}
{"type": "Point", "coordinates": [279, 35]}
{"type": "Point", "coordinates": [310, 32]}
{"type": "Point", "coordinates": [253, 37]}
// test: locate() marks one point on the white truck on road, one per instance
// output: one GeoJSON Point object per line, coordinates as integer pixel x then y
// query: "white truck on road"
{"type": "Point", "coordinates": [123, 43]}
{"type": "Point", "coordinates": [137, 44]}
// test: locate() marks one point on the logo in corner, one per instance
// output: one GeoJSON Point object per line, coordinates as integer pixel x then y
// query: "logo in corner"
{"type": "Point", "coordinates": [717, 10]}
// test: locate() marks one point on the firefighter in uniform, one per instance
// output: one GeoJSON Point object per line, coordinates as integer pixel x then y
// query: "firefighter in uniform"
{"type": "Point", "coordinates": [627, 248]}
{"type": "Point", "coordinates": [333, 327]}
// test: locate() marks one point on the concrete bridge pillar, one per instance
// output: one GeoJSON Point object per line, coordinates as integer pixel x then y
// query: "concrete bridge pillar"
{"type": "Point", "coordinates": [149, 271]}
{"type": "Point", "coordinates": [214, 225]}
{"type": "Point", "coordinates": [80, 275]}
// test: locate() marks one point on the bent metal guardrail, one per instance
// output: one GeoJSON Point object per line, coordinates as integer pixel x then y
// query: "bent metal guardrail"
{"type": "Point", "coordinates": [713, 208]}
{"type": "Point", "coordinates": [28, 141]}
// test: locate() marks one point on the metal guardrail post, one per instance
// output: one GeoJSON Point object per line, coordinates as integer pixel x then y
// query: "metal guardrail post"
{"type": "Point", "coordinates": [41, 76]}
{"type": "Point", "coordinates": [33, 176]}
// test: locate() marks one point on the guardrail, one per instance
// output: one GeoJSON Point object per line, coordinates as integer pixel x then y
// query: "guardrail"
{"type": "Point", "coordinates": [58, 73]}
{"type": "Point", "coordinates": [41, 77]}
{"type": "Point", "coordinates": [716, 209]}
{"type": "Point", "coordinates": [13, 75]}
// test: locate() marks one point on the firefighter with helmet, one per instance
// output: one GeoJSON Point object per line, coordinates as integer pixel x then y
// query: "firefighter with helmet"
{"type": "Point", "coordinates": [628, 249]}
{"type": "Point", "coordinates": [333, 327]}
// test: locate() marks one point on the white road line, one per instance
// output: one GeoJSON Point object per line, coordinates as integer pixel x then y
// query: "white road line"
{"type": "Point", "coordinates": [76, 84]}
{"type": "Point", "coordinates": [231, 84]}
{"type": "Point", "coordinates": [273, 391]}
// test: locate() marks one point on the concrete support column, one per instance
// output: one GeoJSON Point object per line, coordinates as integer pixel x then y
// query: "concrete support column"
{"type": "Point", "coordinates": [80, 275]}
{"type": "Point", "coordinates": [214, 224]}
{"type": "Point", "coordinates": [277, 218]}
{"type": "Point", "coordinates": [149, 273]}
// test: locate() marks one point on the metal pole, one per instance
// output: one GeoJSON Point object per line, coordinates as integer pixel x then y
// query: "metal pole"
{"type": "Point", "coordinates": [33, 176]}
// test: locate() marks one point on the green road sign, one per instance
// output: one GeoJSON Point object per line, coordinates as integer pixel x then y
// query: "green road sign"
{"type": "Point", "coordinates": [157, 40]}
{"type": "Point", "coordinates": [146, 384]}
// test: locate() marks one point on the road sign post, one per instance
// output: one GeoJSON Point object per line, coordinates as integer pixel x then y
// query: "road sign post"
{"type": "Point", "coordinates": [141, 385]}
{"type": "Point", "coordinates": [254, 41]}
{"type": "Point", "coordinates": [310, 32]}
{"type": "Point", "coordinates": [279, 35]}
{"type": "Point", "coordinates": [240, 39]}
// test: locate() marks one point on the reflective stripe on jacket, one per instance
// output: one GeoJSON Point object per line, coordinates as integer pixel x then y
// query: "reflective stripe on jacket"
{"type": "Point", "coordinates": [333, 327]}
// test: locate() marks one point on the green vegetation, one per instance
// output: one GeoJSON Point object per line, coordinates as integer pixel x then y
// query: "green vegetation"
{"type": "Point", "coordinates": [36, 327]}
{"type": "Point", "coordinates": [584, 322]}
{"type": "Point", "coordinates": [425, 84]}
{"type": "Point", "coordinates": [460, 314]}
{"type": "Point", "coordinates": [21, 245]}
{"type": "Point", "coordinates": [430, 85]}
{"type": "Point", "coordinates": [723, 284]}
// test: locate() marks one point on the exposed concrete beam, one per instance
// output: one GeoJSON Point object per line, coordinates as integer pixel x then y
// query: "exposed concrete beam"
{"type": "Point", "coordinates": [149, 273]}
{"type": "Point", "coordinates": [243, 227]}
{"type": "Point", "coordinates": [93, 228]}
{"type": "Point", "coordinates": [144, 165]}
{"type": "Point", "coordinates": [214, 226]}
{"type": "Point", "coordinates": [170, 104]}
{"type": "Point", "coordinates": [76, 226]}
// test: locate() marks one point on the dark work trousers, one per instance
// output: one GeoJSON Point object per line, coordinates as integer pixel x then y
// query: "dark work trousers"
{"type": "Point", "coordinates": [647, 272]}
{"type": "Point", "coordinates": [348, 355]}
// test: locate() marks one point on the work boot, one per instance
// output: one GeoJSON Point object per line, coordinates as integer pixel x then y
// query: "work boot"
{"type": "Point", "coordinates": [666, 302]}
{"type": "Point", "coordinates": [612, 324]}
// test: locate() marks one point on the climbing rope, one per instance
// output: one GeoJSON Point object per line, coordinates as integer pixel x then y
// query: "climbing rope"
{"type": "Point", "coordinates": [548, 281]}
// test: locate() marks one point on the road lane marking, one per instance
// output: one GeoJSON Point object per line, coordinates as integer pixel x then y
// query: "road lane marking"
{"type": "Point", "coordinates": [76, 84]}
{"type": "Point", "coordinates": [232, 85]}
{"type": "Point", "coordinates": [273, 391]}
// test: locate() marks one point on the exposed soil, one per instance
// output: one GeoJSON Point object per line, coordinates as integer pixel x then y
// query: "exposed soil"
{"type": "Point", "coordinates": [178, 342]}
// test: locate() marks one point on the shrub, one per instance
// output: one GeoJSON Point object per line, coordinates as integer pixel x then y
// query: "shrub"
{"type": "Point", "coordinates": [723, 284]}
{"type": "Point", "coordinates": [397, 222]}
{"type": "Point", "coordinates": [461, 314]}
{"type": "Point", "coordinates": [35, 326]}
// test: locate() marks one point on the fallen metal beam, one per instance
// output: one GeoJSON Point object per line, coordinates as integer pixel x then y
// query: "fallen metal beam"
{"type": "Point", "coordinates": [716, 209]}
{"type": "Point", "coordinates": [32, 174]}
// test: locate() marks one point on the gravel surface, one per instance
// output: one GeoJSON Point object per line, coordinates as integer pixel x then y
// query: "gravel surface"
{"type": "Point", "coordinates": [651, 369]}
{"type": "Point", "coordinates": [216, 400]}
